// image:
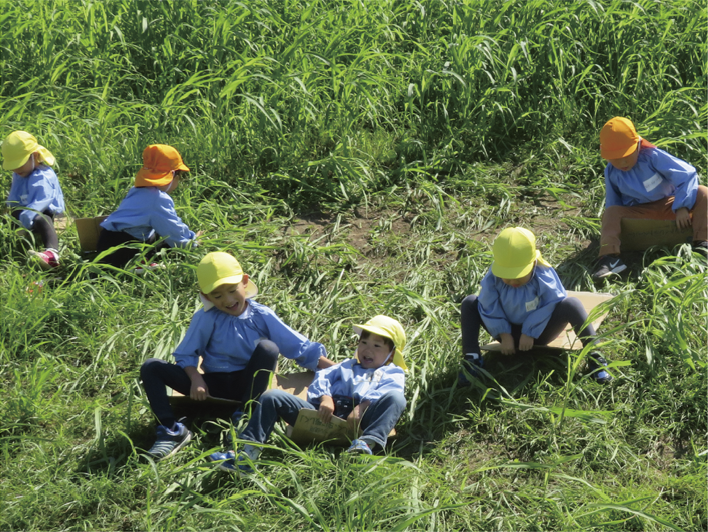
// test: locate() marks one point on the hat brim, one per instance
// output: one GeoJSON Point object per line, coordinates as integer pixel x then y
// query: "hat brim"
{"type": "Point", "coordinates": [14, 164]}
{"type": "Point", "coordinates": [618, 153]}
{"type": "Point", "coordinates": [251, 288]}
{"type": "Point", "coordinates": [516, 272]}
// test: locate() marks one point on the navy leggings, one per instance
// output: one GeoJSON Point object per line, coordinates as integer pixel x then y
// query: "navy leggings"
{"type": "Point", "coordinates": [570, 310]}
{"type": "Point", "coordinates": [120, 257]}
{"type": "Point", "coordinates": [43, 226]}
{"type": "Point", "coordinates": [243, 385]}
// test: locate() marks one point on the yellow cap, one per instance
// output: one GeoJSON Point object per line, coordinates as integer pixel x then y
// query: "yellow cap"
{"type": "Point", "coordinates": [388, 328]}
{"type": "Point", "coordinates": [17, 148]}
{"type": "Point", "coordinates": [159, 161]}
{"type": "Point", "coordinates": [515, 253]}
{"type": "Point", "coordinates": [618, 138]}
{"type": "Point", "coordinates": [220, 268]}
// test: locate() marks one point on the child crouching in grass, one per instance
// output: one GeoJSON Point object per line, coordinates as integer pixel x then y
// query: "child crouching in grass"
{"type": "Point", "coordinates": [366, 390]}
{"type": "Point", "coordinates": [148, 212]}
{"type": "Point", "coordinates": [238, 341]}
{"type": "Point", "coordinates": [522, 303]}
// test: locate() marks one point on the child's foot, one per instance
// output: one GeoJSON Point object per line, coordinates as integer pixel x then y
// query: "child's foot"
{"type": "Point", "coordinates": [47, 259]}
{"type": "Point", "coordinates": [146, 267]}
{"type": "Point", "coordinates": [359, 447]}
{"type": "Point", "coordinates": [243, 464]}
{"type": "Point", "coordinates": [470, 363]}
{"type": "Point", "coordinates": [168, 442]}
{"type": "Point", "coordinates": [596, 363]}
{"type": "Point", "coordinates": [609, 265]}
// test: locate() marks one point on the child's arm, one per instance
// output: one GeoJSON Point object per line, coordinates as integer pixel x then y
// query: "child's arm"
{"type": "Point", "coordinates": [682, 176]}
{"type": "Point", "coordinates": [167, 224]}
{"type": "Point", "coordinates": [326, 408]}
{"type": "Point", "coordinates": [612, 195]}
{"type": "Point", "coordinates": [550, 293]}
{"type": "Point", "coordinates": [491, 309]}
{"type": "Point", "coordinates": [40, 194]}
{"type": "Point", "coordinates": [199, 390]}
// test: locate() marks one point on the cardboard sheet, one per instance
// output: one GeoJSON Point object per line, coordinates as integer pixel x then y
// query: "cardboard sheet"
{"type": "Point", "coordinates": [567, 339]}
{"type": "Point", "coordinates": [89, 229]}
{"type": "Point", "coordinates": [640, 234]}
{"type": "Point", "coordinates": [309, 429]}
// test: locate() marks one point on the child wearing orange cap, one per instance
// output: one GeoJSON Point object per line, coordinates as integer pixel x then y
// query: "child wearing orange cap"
{"type": "Point", "coordinates": [148, 212]}
{"type": "Point", "coordinates": [366, 390]}
{"type": "Point", "coordinates": [643, 181]}
{"type": "Point", "coordinates": [522, 303]}
{"type": "Point", "coordinates": [35, 188]}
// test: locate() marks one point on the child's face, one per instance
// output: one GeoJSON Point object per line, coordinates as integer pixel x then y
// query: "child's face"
{"type": "Point", "coordinates": [230, 298]}
{"type": "Point", "coordinates": [516, 283]}
{"type": "Point", "coordinates": [27, 168]}
{"type": "Point", "coordinates": [372, 351]}
{"type": "Point", "coordinates": [626, 163]}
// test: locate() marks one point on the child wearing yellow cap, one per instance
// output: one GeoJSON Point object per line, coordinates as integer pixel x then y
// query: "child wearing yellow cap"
{"type": "Point", "coordinates": [148, 212]}
{"type": "Point", "coordinates": [238, 341]}
{"type": "Point", "coordinates": [643, 181]}
{"type": "Point", "coordinates": [35, 195]}
{"type": "Point", "coordinates": [522, 303]}
{"type": "Point", "coordinates": [366, 390]}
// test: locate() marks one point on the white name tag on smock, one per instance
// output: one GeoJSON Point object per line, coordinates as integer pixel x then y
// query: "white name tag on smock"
{"type": "Point", "coordinates": [532, 305]}
{"type": "Point", "coordinates": [653, 182]}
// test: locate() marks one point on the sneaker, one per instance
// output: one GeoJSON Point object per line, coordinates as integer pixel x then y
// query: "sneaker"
{"type": "Point", "coordinates": [609, 265]}
{"type": "Point", "coordinates": [596, 363]}
{"type": "Point", "coordinates": [242, 464]}
{"type": "Point", "coordinates": [168, 442]}
{"type": "Point", "coordinates": [470, 362]}
{"type": "Point", "coordinates": [359, 447]}
{"type": "Point", "coordinates": [146, 267]}
{"type": "Point", "coordinates": [701, 246]}
{"type": "Point", "coordinates": [47, 259]}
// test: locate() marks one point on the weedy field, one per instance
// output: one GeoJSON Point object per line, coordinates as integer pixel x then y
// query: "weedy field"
{"type": "Point", "coordinates": [358, 157]}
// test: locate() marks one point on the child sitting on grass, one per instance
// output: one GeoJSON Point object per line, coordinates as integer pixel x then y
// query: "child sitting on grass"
{"type": "Point", "coordinates": [35, 195]}
{"type": "Point", "coordinates": [366, 390]}
{"type": "Point", "coordinates": [147, 212]}
{"type": "Point", "coordinates": [642, 181]}
{"type": "Point", "coordinates": [238, 341]}
{"type": "Point", "coordinates": [522, 303]}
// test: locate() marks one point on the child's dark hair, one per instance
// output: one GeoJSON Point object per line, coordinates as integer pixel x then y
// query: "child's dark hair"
{"type": "Point", "coordinates": [389, 343]}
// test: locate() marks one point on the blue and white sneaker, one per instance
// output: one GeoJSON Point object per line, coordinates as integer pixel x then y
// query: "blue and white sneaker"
{"type": "Point", "coordinates": [168, 442]}
{"type": "Point", "coordinates": [596, 363]}
{"type": "Point", "coordinates": [359, 447]}
{"type": "Point", "coordinates": [469, 365]}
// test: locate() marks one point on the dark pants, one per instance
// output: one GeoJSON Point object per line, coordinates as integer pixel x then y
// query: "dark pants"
{"type": "Point", "coordinates": [376, 424]}
{"type": "Point", "coordinates": [43, 226]}
{"type": "Point", "coordinates": [120, 257]}
{"type": "Point", "coordinates": [244, 385]}
{"type": "Point", "coordinates": [570, 310]}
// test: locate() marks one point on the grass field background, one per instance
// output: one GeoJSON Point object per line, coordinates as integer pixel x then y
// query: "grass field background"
{"type": "Point", "coordinates": [358, 157]}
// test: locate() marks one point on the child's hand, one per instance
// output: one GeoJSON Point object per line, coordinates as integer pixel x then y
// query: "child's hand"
{"type": "Point", "coordinates": [525, 343]}
{"type": "Point", "coordinates": [199, 391]}
{"type": "Point", "coordinates": [326, 408]}
{"type": "Point", "coordinates": [683, 218]}
{"type": "Point", "coordinates": [507, 344]}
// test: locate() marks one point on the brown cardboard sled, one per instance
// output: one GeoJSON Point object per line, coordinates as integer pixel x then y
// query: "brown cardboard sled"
{"type": "Point", "coordinates": [567, 339]}
{"type": "Point", "coordinates": [89, 229]}
{"type": "Point", "coordinates": [640, 234]}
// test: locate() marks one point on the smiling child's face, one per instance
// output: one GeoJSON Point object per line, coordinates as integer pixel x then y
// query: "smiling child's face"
{"type": "Point", "coordinates": [373, 351]}
{"type": "Point", "coordinates": [230, 298]}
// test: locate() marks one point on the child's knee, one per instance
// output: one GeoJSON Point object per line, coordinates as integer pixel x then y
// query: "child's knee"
{"type": "Point", "coordinates": [149, 366]}
{"type": "Point", "coordinates": [269, 349]}
{"type": "Point", "coordinates": [396, 398]}
{"type": "Point", "coordinates": [469, 302]}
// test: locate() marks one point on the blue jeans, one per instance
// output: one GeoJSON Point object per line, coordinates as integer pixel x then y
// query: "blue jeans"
{"type": "Point", "coordinates": [376, 424]}
{"type": "Point", "coordinates": [244, 385]}
{"type": "Point", "coordinates": [570, 310]}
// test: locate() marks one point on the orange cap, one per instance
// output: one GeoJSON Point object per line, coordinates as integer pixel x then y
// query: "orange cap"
{"type": "Point", "coordinates": [618, 138]}
{"type": "Point", "coordinates": [159, 161]}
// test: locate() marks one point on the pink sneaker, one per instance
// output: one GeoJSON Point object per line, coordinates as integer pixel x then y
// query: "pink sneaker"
{"type": "Point", "coordinates": [47, 259]}
{"type": "Point", "coordinates": [145, 267]}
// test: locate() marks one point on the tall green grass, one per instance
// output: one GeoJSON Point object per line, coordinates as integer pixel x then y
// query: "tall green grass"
{"type": "Point", "coordinates": [358, 158]}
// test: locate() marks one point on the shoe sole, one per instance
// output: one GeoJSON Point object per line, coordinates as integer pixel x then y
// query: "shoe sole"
{"type": "Point", "coordinates": [36, 259]}
{"type": "Point", "coordinates": [613, 271]}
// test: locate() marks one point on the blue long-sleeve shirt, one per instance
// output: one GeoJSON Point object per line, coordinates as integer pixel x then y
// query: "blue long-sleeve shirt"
{"type": "Point", "coordinates": [657, 175]}
{"type": "Point", "coordinates": [38, 192]}
{"type": "Point", "coordinates": [227, 342]}
{"type": "Point", "coordinates": [148, 210]}
{"type": "Point", "coordinates": [529, 305]}
{"type": "Point", "coordinates": [348, 378]}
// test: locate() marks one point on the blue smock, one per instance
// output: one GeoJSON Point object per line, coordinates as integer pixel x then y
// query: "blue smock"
{"type": "Point", "coordinates": [38, 192]}
{"type": "Point", "coordinates": [350, 379]}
